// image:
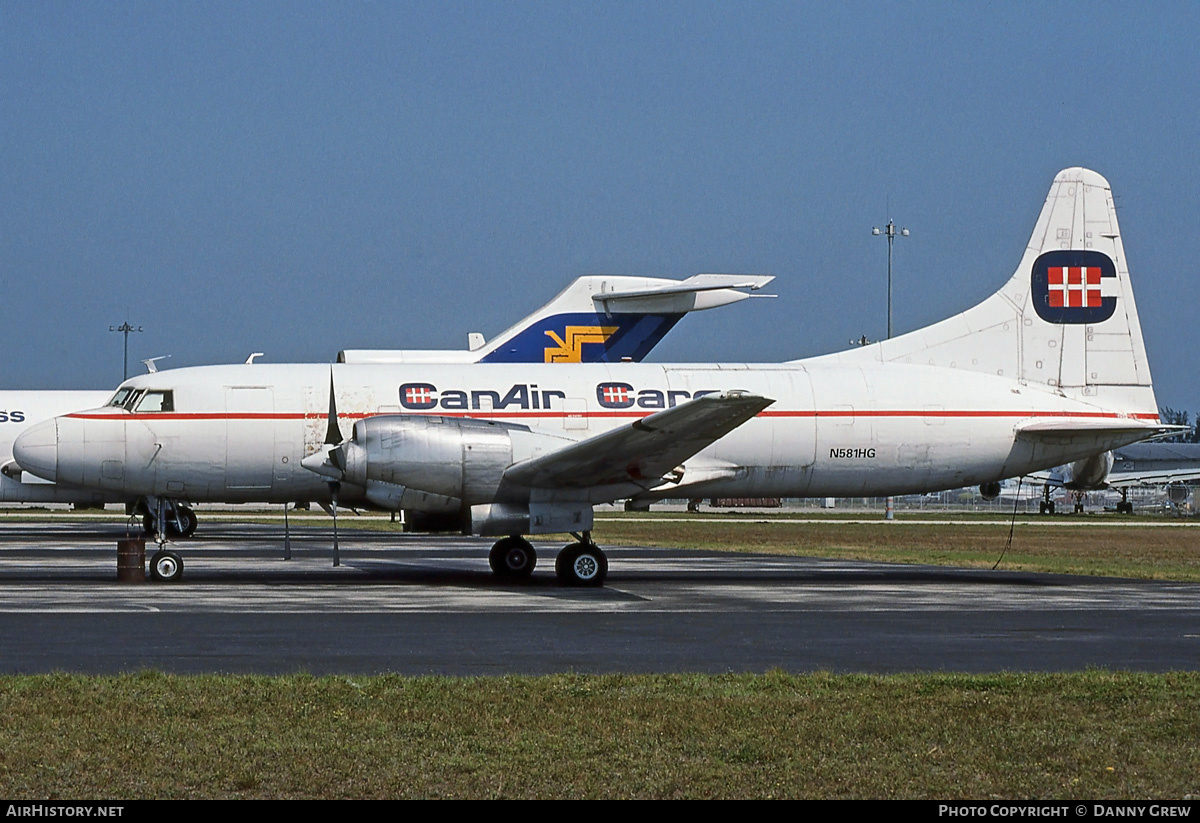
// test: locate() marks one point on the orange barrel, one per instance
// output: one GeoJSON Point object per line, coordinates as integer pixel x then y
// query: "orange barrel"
{"type": "Point", "coordinates": [131, 560]}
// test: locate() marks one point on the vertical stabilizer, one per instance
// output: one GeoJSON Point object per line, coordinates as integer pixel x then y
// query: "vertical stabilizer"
{"type": "Point", "coordinates": [1066, 320]}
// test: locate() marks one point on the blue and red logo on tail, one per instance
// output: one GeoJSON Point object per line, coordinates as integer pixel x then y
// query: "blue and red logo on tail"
{"type": "Point", "coordinates": [1074, 286]}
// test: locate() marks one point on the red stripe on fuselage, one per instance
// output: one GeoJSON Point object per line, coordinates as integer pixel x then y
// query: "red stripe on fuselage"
{"type": "Point", "coordinates": [487, 415]}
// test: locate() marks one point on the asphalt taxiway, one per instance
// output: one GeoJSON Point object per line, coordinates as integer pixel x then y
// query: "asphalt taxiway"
{"type": "Point", "coordinates": [415, 604]}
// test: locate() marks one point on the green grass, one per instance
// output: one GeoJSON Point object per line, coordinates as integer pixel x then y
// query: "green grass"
{"type": "Point", "coordinates": [1162, 552]}
{"type": "Point", "coordinates": [1094, 734]}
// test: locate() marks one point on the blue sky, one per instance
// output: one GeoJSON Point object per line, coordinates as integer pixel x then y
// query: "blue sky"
{"type": "Point", "coordinates": [297, 178]}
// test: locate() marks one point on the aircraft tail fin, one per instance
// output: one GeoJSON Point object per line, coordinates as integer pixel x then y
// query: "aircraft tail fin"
{"type": "Point", "coordinates": [608, 318]}
{"type": "Point", "coordinates": [1066, 321]}
{"type": "Point", "coordinates": [597, 318]}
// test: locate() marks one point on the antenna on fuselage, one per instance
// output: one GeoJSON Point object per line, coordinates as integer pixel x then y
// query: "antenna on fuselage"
{"type": "Point", "coordinates": [151, 363]}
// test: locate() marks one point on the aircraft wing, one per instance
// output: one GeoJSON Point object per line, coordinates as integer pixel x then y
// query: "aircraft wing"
{"type": "Point", "coordinates": [645, 450]}
{"type": "Point", "coordinates": [1152, 478]}
{"type": "Point", "coordinates": [1044, 478]}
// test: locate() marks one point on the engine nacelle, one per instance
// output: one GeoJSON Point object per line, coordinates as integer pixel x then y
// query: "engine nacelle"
{"type": "Point", "coordinates": [989, 491]}
{"type": "Point", "coordinates": [436, 464]}
{"type": "Point", "coordinates": [1178, 493]}
{"type": "Point", "coordinates": [1090, 473]}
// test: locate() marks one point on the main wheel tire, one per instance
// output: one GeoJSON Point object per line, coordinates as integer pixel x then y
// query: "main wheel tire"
{"type": "Point", "coordinates": [166, 567]}
{"type": "Point", "coordinates": [187, 521]}
{"type": "Point", "coordinates": [581, 564]}
{"type": "Point", "coordinates": [512, 557]}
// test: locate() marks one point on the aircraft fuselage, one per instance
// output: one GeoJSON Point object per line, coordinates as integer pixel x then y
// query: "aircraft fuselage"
{"type": "Point", "coordinates": [239, 433]}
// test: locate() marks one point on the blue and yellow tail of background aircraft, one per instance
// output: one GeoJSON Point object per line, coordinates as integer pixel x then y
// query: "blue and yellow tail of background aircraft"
{"type": "Point", "coordinates": [596, 319]}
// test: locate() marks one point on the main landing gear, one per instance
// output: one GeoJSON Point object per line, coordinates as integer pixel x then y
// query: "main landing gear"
{"type": "Point", "coordinates": [1046, 506]}
{"type": "Point", "coordinates": [581, 564]}
{"type": "Point", "coordinates": [1124, 507]}
{"type": "Point", "coordinates": [578, 564]}
{"type": "Point", "coordinates": [512, 557]}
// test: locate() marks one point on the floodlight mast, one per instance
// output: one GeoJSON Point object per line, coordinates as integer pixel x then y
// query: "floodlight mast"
{"type": "Point", "coordinates": [889, 231]}
{"type": "Point", "coordinates": [125, 329]}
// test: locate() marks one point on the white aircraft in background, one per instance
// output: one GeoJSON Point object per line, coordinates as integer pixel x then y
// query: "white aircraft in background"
{"type": "Point", "coordinates": [18, 411]}
{"type": "Point", "coordinates": [597, 318]}
{"type": "Point", "coordinates": [1142, 464]}
{"type": "Point", "coordinates": [1048, 370]}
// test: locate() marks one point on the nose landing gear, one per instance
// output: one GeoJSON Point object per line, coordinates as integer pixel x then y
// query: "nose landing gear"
{"type": "Point", "coordinates": [164, 519]}
{"type": "Point", "coordinates": [166, 566]}
{"type": "Point", "coordinates": [181, 521]}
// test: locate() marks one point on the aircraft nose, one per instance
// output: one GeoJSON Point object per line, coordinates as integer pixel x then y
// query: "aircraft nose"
{"type": "Point", "coordinates": [36, 450]}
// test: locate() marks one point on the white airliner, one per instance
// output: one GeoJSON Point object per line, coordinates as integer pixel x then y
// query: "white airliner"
{"type": "Point", "coordinates": [1049, 369]}
{"type": "Point", "coordinates": [18, 411]}
{"type": "Point", "coordinates": [1143, 464]}
{"type": "Point", "coordinates": [597, 318]}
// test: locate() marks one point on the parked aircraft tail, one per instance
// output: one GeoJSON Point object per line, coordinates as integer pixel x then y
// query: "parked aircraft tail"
{"type": "Point", "coordinates": [597, 318]}
{"type": "Point", "coordinates": [1066, 320]}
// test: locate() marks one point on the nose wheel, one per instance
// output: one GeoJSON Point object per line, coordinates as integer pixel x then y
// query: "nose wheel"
{"type": "Point", "coordinates": [166, 567]}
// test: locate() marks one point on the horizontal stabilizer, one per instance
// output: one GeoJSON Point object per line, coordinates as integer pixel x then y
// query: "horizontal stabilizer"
{"type": "Point", "coordinates": [1106, 433]}
{"type": "Point", "coordinates": [643, 451]}
{"type": "Point", "coordinates": [701, 291]}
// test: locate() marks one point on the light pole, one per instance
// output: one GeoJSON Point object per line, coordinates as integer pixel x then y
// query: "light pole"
{"type": "Point", "coordinates": [889, 231]}
{"type": "Point", "coordinates": [125, 329]}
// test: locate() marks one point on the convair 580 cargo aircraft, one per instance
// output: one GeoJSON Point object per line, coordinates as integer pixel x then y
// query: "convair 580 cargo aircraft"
{"type": "Point", "coordinates": [597, 318]}
{"type": "Point", "coordinates": [1049, 369]}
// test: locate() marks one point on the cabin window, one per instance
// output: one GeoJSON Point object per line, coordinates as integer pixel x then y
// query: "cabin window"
{"type": "Point", "coordinates": [156, 401]}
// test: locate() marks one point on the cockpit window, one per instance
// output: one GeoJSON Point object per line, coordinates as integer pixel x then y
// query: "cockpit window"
{"type": "Point", "coordinates": [156, 401]}
{"type": "Point", "coordinates": [120, 397]}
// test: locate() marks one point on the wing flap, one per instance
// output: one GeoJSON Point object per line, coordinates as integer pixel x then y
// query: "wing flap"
{"type": "Point", "coordinates": [643, 451]}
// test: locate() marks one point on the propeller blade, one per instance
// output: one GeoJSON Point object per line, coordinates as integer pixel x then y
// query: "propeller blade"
{"type": "Point", "coordinates": [330, 460]}
{"type": "Point", "coordinates": [333, 434]}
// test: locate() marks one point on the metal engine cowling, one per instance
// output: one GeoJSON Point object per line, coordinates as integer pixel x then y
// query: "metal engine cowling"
{"type": "Point", "coordinates": [432, 463]}
{"type": "Point", "coordinates": [1091, 472]}
{"type": "Point", "coordinates": [989, 491]}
